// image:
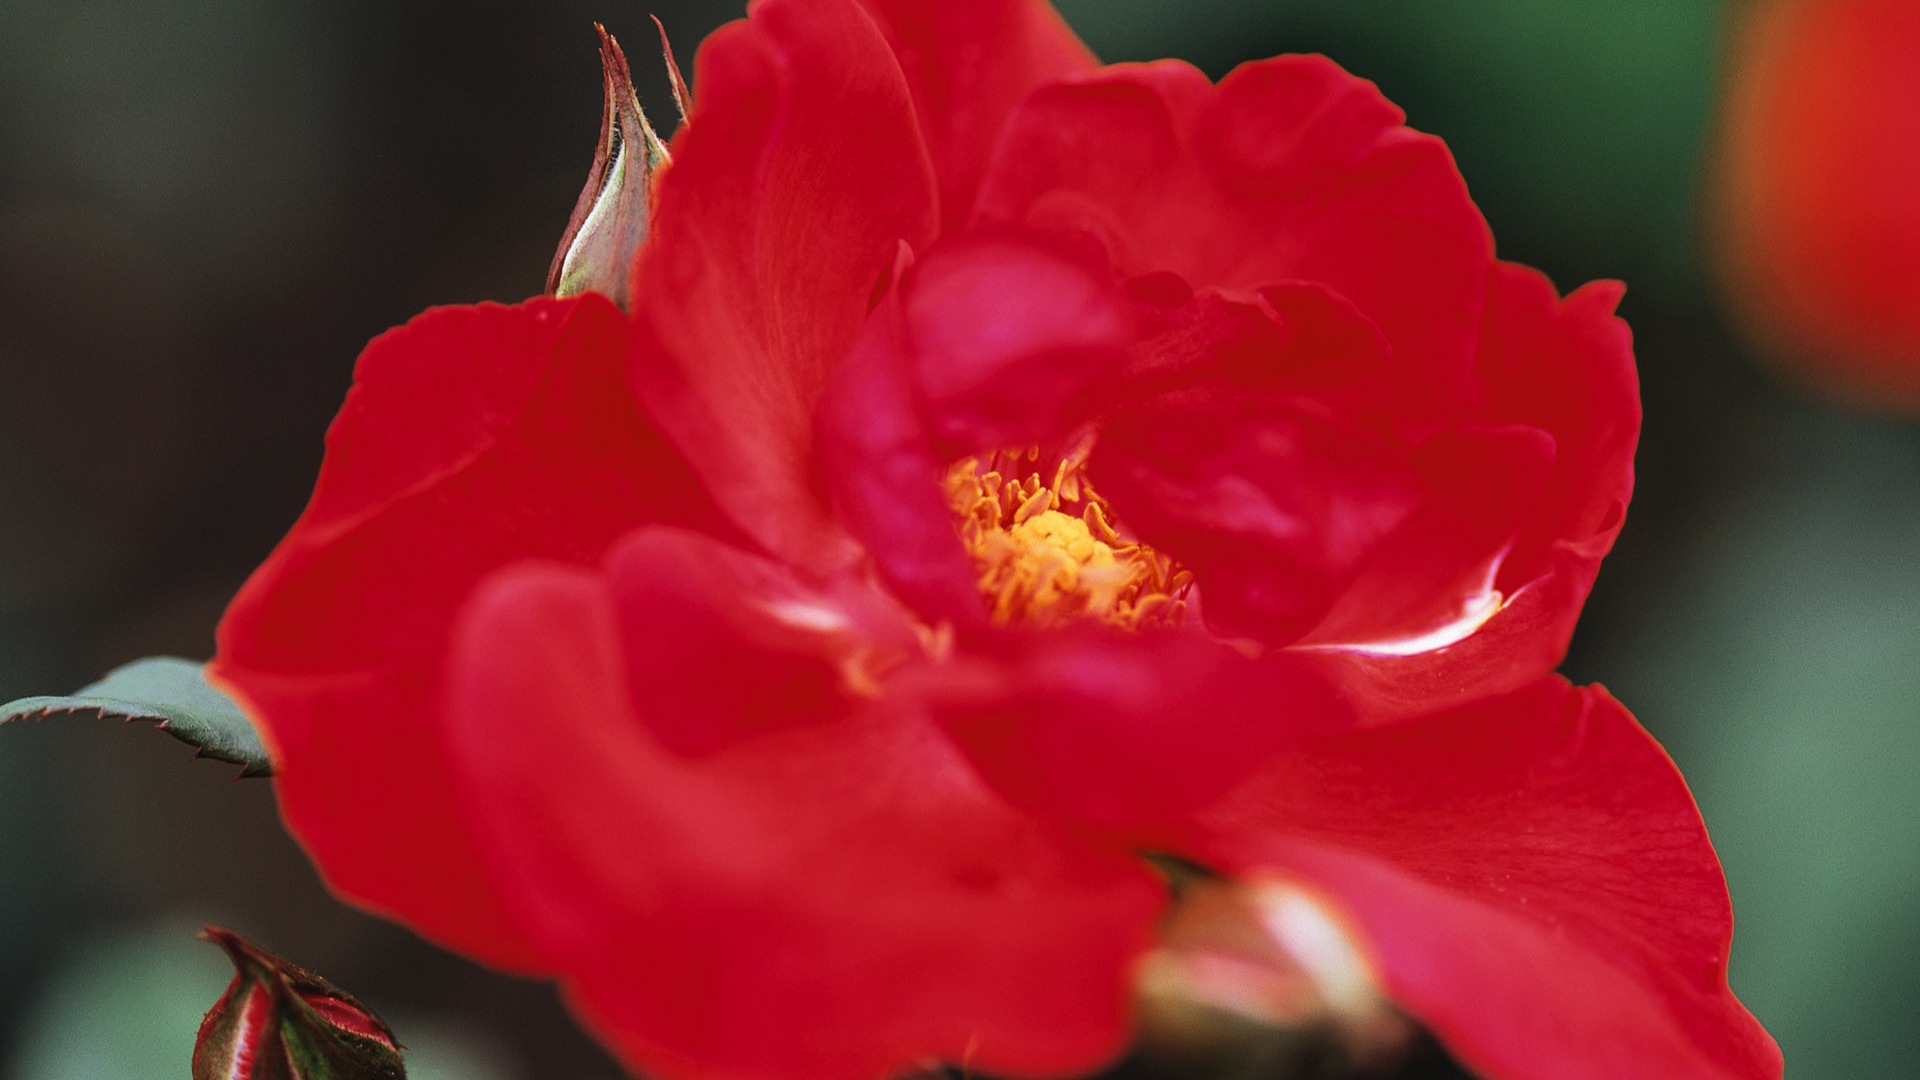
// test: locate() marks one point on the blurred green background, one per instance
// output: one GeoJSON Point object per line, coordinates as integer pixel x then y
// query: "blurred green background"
{"type": "Point", "coordinates": [208, 206]}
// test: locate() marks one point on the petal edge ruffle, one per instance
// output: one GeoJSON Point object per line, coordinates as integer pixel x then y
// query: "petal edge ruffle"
{"type": "Point", "coordinates": [1532, 878]}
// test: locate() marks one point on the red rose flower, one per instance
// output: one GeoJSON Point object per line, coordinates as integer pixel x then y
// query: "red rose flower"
{"type": "Point", "coordinates": [1819, 227]}
{"type": "Point", "coordinates": [1008, 467]}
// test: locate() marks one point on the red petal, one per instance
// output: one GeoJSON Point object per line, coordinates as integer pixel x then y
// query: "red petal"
{"type": "Point", "coordinates": [1427, 583]}
{"type": "Point", "coordinates": [691, 606]}
{"type": "Point", "coordinates": [1531, 878]}
{"type": "Point", "coordinates": [1274, 510]}
{"type": "Point", "coordinates": [1564, 367]}
{"type": "Point", "coordinates": [1010, 336]}
{"type": "Point", "coordinates": [994, 339]}
{"type": "Point", "coordinates": [791, 188]}
{"type": "Point", "coordinates": [882, 472]}
{"type": "Point", "coordinates": [1247, 463]}
{"type": "Point", "coordinates": [835, 900]}
{"type": "Point", "coordinates": [1290, 170]}
{"type": "Point", "coordinates": [472, 438]}
{"type": "Point", "coordinates": [1127, 733]}
{"type": "Point", "coordinates": [969, 65]}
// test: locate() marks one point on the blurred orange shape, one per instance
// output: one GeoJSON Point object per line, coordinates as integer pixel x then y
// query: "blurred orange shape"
{"type": "Point", "coordinates": [1817, 190]}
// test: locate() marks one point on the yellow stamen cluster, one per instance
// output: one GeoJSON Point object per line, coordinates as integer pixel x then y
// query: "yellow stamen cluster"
{"type": "Point", "coordinates": [1047, 553]}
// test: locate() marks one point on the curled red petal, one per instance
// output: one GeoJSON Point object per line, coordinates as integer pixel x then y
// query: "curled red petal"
{"type": "Point", "coordinates": [792, 186]}
{"type": "Point", "coordinates": [1234, 455]}
{"type": "Point", "coordinates": [1274, 510]}
{"type": "Point", "coordinates": [1431, 581]}
{"type": "Point", "coordinates": [1529, 878]}
{"type": "Point", "coordinates": [1565, 368]}
{"type": "Point", "coordinates": [840, 899]}
{"type": "Point", "coordinates": [1010, 337]}
{"type": "Point", "coordinates": [969, 65]}
{"type": "Point", "coordinates": [695, 610]}
{"type": "Point", "coordinates": [881, 470]}
{"type": "Point", "coordinates": [473, 437]}
{"type": "Point", "coordinates": [995, 338]}
{"type": "Point", "coordinates": [1290, 169]}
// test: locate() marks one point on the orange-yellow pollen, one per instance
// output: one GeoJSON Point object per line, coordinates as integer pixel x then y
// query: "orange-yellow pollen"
{"type": "Point", "coordinates": [1048, 553]}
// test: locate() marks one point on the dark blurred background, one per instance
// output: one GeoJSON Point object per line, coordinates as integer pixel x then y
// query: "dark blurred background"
{"type": "Point", "coordinates": [208, 206]}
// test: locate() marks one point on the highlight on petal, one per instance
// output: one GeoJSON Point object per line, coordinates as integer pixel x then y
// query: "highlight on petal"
{"type": "Point", "coordinates": [1561, 369]}
{"type": "Point", "coordinates": [1540, 832]}
{"type": "Point", "coordinates": [1564, 366]}
{"type": "Point", "coordinates": [769, 900]}
{"type": "Point", "coordinates": [798, 176]}
{"type": "Point", "coordinates": [473, 437]}
{"type": "Point", "coordinates": [1434, 580]}
{"type": "Point", "coordinates": [1471, 614]}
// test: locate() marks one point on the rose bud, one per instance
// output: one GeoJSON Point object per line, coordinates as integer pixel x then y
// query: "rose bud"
{"type": "Point", "coordinates": [1264, 967]}
{"type": "Point", "coordinates": [611, 218]}
{"type": "Point", "coordinates": [280, 1022]}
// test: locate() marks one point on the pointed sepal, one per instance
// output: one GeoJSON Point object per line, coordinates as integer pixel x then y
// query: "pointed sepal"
{"type": "Point", "coordinates": [173, 695]}
{"type": "Point", "coordinates": [278, 1021]}
{"type": "Point", "coordinates": [611, 219]}
{"type": "Point", "coordinates": [682, 97]}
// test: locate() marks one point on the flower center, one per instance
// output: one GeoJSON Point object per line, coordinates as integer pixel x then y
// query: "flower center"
{"type": "Point", "coordinates": [1048, 553]}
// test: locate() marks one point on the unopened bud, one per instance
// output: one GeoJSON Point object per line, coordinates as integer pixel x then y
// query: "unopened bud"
{"type": "Point", "coordinates": [280, 1022]}
{"type": "Point", "coordinates": [611, 219]}
{"type": "Point", "coordinates": [1268, 968]}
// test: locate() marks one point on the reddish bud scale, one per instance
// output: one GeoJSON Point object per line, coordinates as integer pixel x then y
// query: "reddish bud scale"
{"type": "Point", "coordinates": [613, 215]}
{"type": "Point", "coordinates": [278, 1021]}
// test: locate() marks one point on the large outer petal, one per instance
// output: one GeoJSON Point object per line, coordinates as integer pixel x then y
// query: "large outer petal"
{"type": "Point", "coordinates": [473, 437]}
{"type": "Point", "coordinates": [1531, 879]}
{"type": "Point", "coordinates": [1289, 170]}
{"type": "Point", "coordinates": [969, 65]}
{"type": "Point", "coordinates": [839, 899]}
{"type": "Point", "coordinates": [1127, 734]}
{"type": "Point", "coordinates": [1564, 367]}
{"type": "Point", "coordinates": [799, 175]}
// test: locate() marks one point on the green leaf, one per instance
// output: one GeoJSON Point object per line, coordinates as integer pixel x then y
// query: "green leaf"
{"type": "Point", "coordinates": [173, 695]}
